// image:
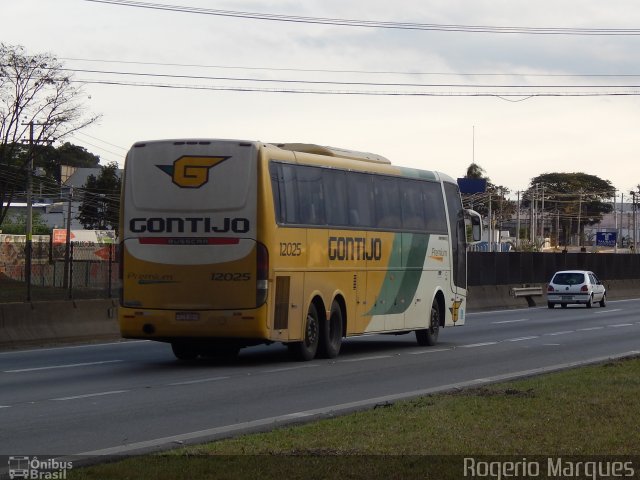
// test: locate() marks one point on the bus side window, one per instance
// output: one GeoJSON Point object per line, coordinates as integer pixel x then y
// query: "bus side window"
{"type": "Point", "coordinates": [412, 205]}
{"type": "Point", "coordinates": [335, 189]}
{"type": "Point", "coordinates": [310, 196]}
{"type": "Point", "coordinates": [434, 206]}
{"type": "Point", "coordinates": [290, 194]}
{"type": "Point", "coordinates": [387, 202]}
{"type": "Point", "coordinates": [360, 199]}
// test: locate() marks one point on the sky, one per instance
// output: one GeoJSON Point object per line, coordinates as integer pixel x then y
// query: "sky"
{"type": "Point", "coordinates": [435, 97]}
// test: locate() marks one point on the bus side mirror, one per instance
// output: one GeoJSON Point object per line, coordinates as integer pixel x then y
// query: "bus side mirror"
{"type": "Point", "coordinates": [476, 225]}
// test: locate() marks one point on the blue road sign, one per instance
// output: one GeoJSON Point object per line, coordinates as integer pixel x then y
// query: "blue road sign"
{"type": "Point", "coordinates": [606, 239]}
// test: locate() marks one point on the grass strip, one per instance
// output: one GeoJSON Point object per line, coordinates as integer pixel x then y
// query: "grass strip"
{"type": "Point", "coordinates": [588, 412]}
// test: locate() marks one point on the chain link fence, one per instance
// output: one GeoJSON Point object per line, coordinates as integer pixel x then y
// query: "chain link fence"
{"type": "Point", "coordinates": [87, 270]}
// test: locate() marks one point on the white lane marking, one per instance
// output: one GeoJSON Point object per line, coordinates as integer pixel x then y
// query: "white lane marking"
{"type": "Point", "coordinates": [69, 347]}
{"type": "Point", "coordinates": [564, 332]}
{"type": "Point", "coordinates": [512, 321]}
{"type": "Point", "coordinates": [473, 345]}
{"type": "Point", "coordinates": [621, 325]}
{"type": "Point", "coordinates": [70, 365]}
{"type": "Point", "coordinates": [589, 329]}
{"type": "Point", "coordinates": [521, 339]}
{"type": "Point", "coordinates": [429, 350]}
{"type": "Point", "coordinates": [5, 406]}
{"type": "Point", "coordinates": [88, 395]}
{"type": "Point", "coordinates": [363, 359]}
{"type": "Point", "coordinates": [608, 310]}
{"type": "Point", "coordinates": [201, 380]}
{"type": "Point", "coordinates": [286, 369]}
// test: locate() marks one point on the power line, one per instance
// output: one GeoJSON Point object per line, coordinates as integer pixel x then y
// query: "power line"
{"type": "Point", "coordinates": [335, 82]}
{"type": "Point", "coordinates": [366, 72]}
{"type": "Point", "coordinates": [374, 23]}
{"type": "Point", "coordinates": [503, 95]}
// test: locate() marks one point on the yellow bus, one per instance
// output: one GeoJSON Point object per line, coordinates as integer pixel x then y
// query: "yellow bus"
{"type": "Point", "coordinates": [227, 244]}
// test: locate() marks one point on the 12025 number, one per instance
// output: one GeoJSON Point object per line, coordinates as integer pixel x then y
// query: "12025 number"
{"type": "Point", "coordinates": [231, 277]}
{"type": "Point", "coordinates": [289, 249]}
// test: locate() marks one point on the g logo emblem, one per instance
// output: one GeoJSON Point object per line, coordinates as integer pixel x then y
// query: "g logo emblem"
{"type": "Point", "coordinates": [191, 171]}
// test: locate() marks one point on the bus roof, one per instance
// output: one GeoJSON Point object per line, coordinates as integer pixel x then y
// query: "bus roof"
{"type": "Point", "coordinates": [333, 152]}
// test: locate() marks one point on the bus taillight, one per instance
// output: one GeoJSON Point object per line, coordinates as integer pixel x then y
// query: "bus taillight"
{"type": "Point", "coordinates": [262, 273]}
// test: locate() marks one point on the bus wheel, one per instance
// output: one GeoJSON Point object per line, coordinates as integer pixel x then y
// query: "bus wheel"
{"type": "Point", "coordinates": [429, 336]}
{"type": "Point", "coordinates": [184, 351]}
{"type": "Point", "coordinates": [331, 333]}
{"type": "Point", "coordinates": [307, 348]}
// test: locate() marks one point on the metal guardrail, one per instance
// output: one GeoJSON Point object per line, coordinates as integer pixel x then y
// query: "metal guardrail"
{"type": "Point", "coordinates": [527, 292]}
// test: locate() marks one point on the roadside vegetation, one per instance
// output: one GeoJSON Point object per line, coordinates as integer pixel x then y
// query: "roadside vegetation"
{"type": "Point", "coordinates": [591, 411]}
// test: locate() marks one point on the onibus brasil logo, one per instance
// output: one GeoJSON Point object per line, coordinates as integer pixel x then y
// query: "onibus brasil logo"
{"type": "Point", "coordinates": [33, 468]}
{"type": "Point", "coordinates": [191, 171]}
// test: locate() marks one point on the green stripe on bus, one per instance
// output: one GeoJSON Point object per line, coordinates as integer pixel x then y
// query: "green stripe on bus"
{"type": "Point", "coordinates": [399, 286]}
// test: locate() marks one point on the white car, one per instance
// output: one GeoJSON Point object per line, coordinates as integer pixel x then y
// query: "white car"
{"type": "Point", "coordinates": [575, 286]}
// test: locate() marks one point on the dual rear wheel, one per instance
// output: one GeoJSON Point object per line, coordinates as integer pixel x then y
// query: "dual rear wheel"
{"type": "Point", "coordinates": [321, 338]}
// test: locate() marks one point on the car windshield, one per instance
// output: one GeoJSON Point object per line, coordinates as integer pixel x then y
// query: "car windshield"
{"type": "Point", "coordinates": [568, 278]}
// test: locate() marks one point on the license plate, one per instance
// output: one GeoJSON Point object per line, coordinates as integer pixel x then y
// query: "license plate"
{"type": "Point", "coordinates": [187, 316]}
{"type": "Point", "coordinates": [567, 297]}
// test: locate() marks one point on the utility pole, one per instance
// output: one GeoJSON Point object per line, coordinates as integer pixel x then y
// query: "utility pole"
{"type": "Point", "coordinates": [29, 223]}
{"type": "Point", "coordinates": [28, 252]}
{"type": "Point", "coordinates": [67, 247]}
{"type": "Point", "coordinates": [634, 214]}
{"type": "Point", "coordinates": [621, 218]}
{"type": "Point", "coordinates": [579, 220]}
{"type": "Point", "coordinates": [518, 224]}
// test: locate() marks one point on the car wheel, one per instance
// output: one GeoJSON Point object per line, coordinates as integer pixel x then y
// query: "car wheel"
{"type": "Point", "coordinates": [551, 305]}
{"type": "Point", "coordinates": [563, 305]}
{"type": "Point", "coordinates": [590, 301]}
{"type": "Point", "coordinates": [603, 302]}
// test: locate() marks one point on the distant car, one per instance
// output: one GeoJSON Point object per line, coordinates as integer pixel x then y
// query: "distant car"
{"type": "Point", "coordinates": [575, 286]}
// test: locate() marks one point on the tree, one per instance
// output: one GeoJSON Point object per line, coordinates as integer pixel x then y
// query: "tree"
{"type": "Point", "coordinates": [35, 95]}
{"type": "Point", "coordinates": [76, 156]}
{"type": "Point", "coordinates": [475, 171]}
{"type": "Point", "coordinates": [15, 225]}
{"type": "Point", "coordinates": [576, 199]}
{"type": "Point", "coordinates": [100, 206]}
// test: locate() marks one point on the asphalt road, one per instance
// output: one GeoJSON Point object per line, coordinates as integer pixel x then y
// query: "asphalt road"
{"type": "Point", "coordinates": [134, 396]}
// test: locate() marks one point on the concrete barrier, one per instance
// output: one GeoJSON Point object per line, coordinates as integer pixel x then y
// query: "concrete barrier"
{"type": "Point", "coordinates": [66, 321]}
{"type": "Point", "coordinates": [497, 297]}
{"type": "Point", "coordinates": [42, 323]}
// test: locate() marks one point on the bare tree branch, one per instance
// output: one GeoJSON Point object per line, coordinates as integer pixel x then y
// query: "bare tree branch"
{"type": "Point", "coordinates": [34, 90]}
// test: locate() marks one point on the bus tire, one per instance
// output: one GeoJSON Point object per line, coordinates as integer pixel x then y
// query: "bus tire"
{"type": "Point", "coordinates": [184, 351]}
{"type": "Point", "coordinates": [331, 333]}
{"type": "Point", "coordinates": [306, 349]}
{"type": "Point", "coordinates": [429, 336]}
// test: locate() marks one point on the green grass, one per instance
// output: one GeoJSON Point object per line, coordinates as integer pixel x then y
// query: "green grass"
{"type": "Point", "coordinates": [591, 411]}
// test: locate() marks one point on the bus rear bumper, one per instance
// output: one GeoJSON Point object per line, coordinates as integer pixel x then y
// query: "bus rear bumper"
{"type": "Point", "coordinates": [166, 325]}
